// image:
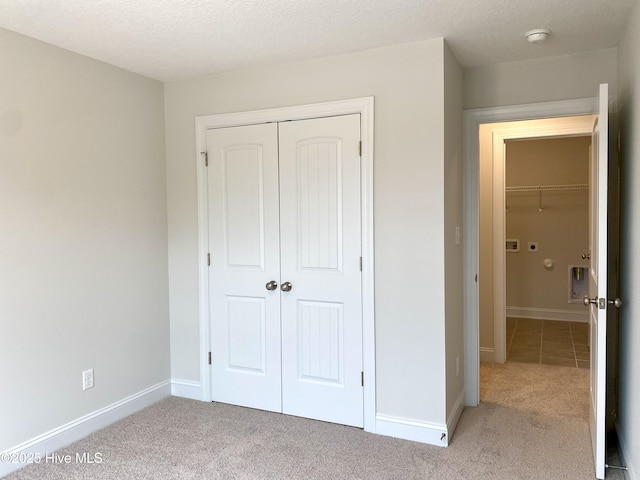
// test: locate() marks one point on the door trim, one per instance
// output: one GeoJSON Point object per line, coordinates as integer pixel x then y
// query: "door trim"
{"type": "Point", "coordinates": [472, 119]}
{"type": "Point", "coordinates": [363, 106]}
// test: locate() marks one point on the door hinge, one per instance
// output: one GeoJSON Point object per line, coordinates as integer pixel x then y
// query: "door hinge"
{"type": "Point", "coordinates": [360, 263]}
{"type": "Point", "coordinates": [208, 259]}
{"type": "Point", "coordinates": [209, 358]}
{"type": "Point", "coordinates": [206, 158]}
{"type": "Point", "coordinates": [362, 379]}
{"type": "Point", "coordinates": [360, 148]}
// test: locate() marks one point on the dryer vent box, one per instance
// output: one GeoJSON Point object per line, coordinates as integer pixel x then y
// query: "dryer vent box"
{"type": "Point", "coordinates": [512, 245]}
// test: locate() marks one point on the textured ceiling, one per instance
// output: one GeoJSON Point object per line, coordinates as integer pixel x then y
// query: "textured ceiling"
{"type": "Point", "coordinates": [174, 39]}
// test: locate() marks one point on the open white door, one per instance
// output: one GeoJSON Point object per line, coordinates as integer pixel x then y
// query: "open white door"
{"type": "Point", "coordinates": [598, 280]}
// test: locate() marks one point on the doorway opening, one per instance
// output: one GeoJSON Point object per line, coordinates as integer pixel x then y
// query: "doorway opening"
{"type": "Point", "coordinates": [497, 190]}
{"type": "Point", "coordinates": [542, 120]}
{"type": "Point", "coordinates": [601, 227]}
{"type": "Point", "coordinates": [363, 107]}
{"type": "Point", "coordinates": [533, 232]}
{"type": "Point", "coordinates": [542, 260]}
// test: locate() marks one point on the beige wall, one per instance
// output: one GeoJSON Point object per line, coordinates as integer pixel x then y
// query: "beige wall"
{"type": "Point", "coordinates": [629, 380]}
{"type": "Point", "coordinates": [561, 229]}
{"type": "Point", "coordinates": [408, 84]}
{"type": "Point", "coordinates": [541, 80]}
{"type": "Point", "coordinates": [83, 269]}
{"type": "Point", "coordinates": [485, 223]}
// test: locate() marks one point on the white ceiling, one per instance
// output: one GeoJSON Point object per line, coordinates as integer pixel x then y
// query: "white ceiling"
{"type": "Point", "coordinates": [173, 39]}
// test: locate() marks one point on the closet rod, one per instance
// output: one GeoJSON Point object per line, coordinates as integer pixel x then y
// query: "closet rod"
{"type": "Point", "coordinates": [543, 188]}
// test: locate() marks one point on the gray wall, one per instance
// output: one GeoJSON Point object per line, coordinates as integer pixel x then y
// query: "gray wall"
{"type": "Point", "coordinates": [541, 80]}
{"type": "Point", "coordinates": [561, 229]}
{"type": "Point", "coordinates": [629, 108]}
{"type": "Point", "coordinates": [83, 269]}
{"type": "Point", "coordinates": [453, 219]}
{"type": "Point", "coordinates": [409, 200]}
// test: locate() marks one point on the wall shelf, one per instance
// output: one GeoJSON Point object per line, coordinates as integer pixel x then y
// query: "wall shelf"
{"type": "Point", "coordinates": [547, 188]}
{"type": "Point", "coordinates": [544, 188]}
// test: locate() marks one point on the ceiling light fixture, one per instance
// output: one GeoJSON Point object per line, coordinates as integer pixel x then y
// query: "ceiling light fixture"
{"type": "Point", "coordinates": [537, 35]}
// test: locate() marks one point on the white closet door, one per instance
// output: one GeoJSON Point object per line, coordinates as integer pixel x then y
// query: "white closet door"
{"type": "Point", "coordinates": [244, 246]}
{"type": "Point", "coordinates": [320, 256]}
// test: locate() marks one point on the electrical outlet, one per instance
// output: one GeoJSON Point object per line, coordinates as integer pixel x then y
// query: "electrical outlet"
{"type": "Point", "coordinates": [457, 365]}
{"type": "Point", "coordinates": [87, 379]}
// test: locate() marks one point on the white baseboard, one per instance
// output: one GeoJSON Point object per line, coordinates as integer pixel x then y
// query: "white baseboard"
{"type": "Point", "coordinates": [417, 431]}
{"type": "Point", "coordinates": [548, 314]}
{"type": "Point", "coordinates": [186, 389]}
{"type": "Point", "coordinates": [64, 435]}
{"type": "Point", "coordinates": [486, 354]}
{"type": "Point", "coordinates": [454, 417]}
{"type": "Point", "coordinates": [625, 457]}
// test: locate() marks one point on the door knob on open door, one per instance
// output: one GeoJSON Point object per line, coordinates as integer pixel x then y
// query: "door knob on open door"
{"type": "Point", "coordinates": [272, 285]}
{"type": "Point", "coordinates": [616, 302]}
{"type": "Point", "coordinates": [588, 301]}
{"type": "Point", "coordinates": [586, 256]}
{"type": "Point", "coordinates": [286, 287]}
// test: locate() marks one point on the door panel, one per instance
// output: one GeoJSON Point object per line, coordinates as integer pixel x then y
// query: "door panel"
{"type": "Point", "coordinates": [244, 248]}
{"type": "Point", "coordinates": [598, 280]}
{"type": "Point", "coordinates": [319, 172]}
{"type": "Point", "coordinates": [246, 324]}
{"type": "Point", "coordinates": [320, 256]}
{"type": "Point", "coordinates": [243, 205]}
{"type": "Point", "coordinates": [321, 342]}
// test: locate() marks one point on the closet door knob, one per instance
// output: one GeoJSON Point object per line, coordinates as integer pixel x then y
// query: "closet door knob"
{"type": "Point", "coordinates": [272, 285]}
{"type": "Point", "coordinates": [286, 287]}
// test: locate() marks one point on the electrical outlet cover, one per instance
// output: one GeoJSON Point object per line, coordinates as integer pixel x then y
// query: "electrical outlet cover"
{"type": "Point", "coordinates": [87, 379]}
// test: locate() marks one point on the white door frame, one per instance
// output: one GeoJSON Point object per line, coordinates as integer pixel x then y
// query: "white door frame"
{"type": "Point", "coordinates": [472, 121]}
{"type": "Point", "coordinates": [363, 106]}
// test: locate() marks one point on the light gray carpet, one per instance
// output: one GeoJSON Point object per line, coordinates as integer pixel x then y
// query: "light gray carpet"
{"type": "Point", "coordinates": [531, 425]}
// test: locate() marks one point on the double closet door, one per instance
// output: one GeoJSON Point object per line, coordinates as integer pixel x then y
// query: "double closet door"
{"type": "Point", "coordinates": [285, 276]}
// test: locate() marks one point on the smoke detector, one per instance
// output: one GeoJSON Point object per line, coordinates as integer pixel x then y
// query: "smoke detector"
{"type": "Point", "coordinates": [537, 35]}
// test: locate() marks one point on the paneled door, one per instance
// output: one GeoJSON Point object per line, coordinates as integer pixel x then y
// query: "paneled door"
{"type": "Point", "coordinates": [603, 263]}
{"type": "Point", "coordinates": [320, 259]}
{"type": "Point", "coordinates": [285, 278]}
{"type": "Point", "coordinates": [245, 258]}
{"type": "Point", "coordinates": [598, 282]}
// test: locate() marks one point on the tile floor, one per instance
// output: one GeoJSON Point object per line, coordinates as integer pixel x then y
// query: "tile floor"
{"type": "Point", "coordinates": [549, 342]}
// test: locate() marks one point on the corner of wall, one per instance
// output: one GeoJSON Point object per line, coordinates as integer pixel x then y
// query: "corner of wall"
{"type": "Point", "coordinates": [453, 252]}
{"type": "Point", "coordinates": [187, 389]}
{"type": "Point", "coordinates": [37, 449]}
{"type": "Point", "coordinates": [626, 458]}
